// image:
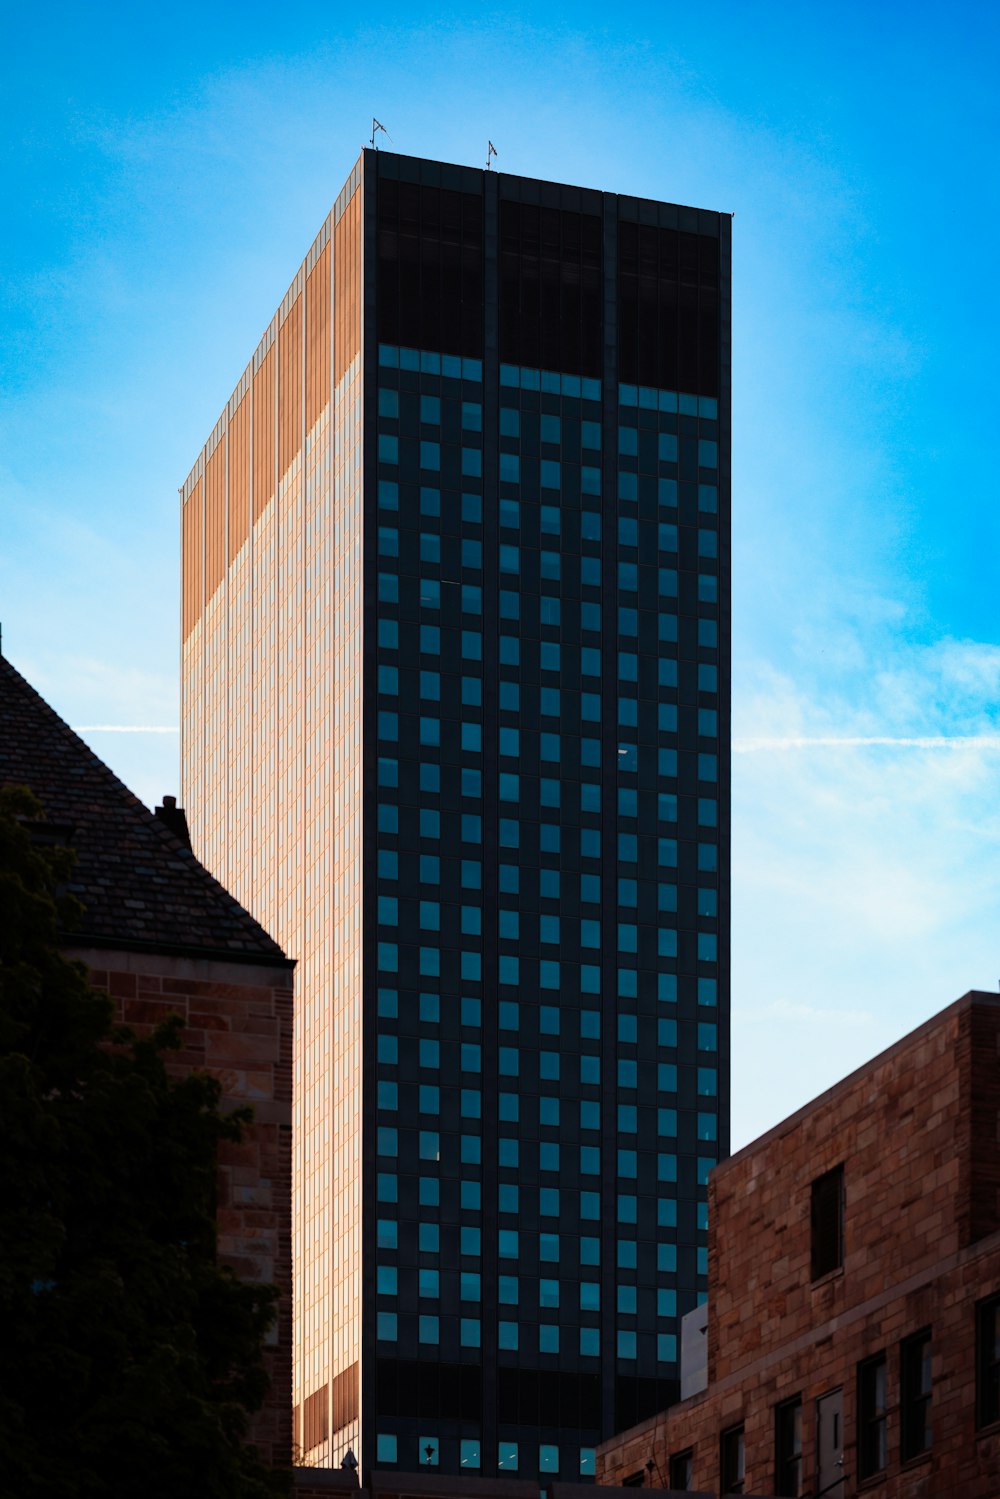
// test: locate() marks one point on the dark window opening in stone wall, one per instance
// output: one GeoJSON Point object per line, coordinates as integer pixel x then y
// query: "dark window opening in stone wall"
{"type": "Point", "coordinates": [915, 1395]}
{"type": "Point", "coordinates": [788, 1448]}
{"type": "Point", "coordinates": [988, 1361]}
{"type": "Point", "coordinates": [873, 1449]}
{"type": "Point", "coordinates": [682, 1470]}
{"type": "Point", "coordinates": [827, 1222]}
{"type": "Point", "coordinates": [732, 1461]}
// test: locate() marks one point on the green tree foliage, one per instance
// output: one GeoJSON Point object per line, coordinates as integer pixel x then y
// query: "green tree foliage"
{"type": "Point", "coordinates": [129, 1359]}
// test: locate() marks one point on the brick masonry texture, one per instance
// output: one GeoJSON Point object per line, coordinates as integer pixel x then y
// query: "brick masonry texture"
{"type": "Point", "coordinates": [916, 1131]}
{"type": "Point", "coordinates": [238, 1026]}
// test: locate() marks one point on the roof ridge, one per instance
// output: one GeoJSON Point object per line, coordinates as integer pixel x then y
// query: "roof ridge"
{"type": "Point", "coordinates": [189, 864]}
{"type": "Point", "coordinates": [63, 728]}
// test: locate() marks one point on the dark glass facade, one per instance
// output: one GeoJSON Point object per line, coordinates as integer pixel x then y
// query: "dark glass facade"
{"type": "Point", "coordinates": [550, 803]}
{"type": "Point", "coordinates": [543, 815]}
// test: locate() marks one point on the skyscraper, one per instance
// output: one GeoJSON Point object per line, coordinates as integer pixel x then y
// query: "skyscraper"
{"type": "Point", "coordinates": [456, 729]}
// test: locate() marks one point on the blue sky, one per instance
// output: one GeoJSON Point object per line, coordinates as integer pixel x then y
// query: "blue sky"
{"type": "Point", "coordinates": [165, 171]}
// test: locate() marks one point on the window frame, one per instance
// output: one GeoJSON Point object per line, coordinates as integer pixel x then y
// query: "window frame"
{"type": "Point", "coordinates": [681, 1470]}
{"type": "Point", "coordinates": [915, 1429]}
{"type": "Point", "coordinates": [988, 1362]}
{"type": "Point", "coordinates": [788, 1455]}
{"type": "Point", "coordinates": [732, 1459]}
{"type": "Point", "coordinates": [872, 1421]}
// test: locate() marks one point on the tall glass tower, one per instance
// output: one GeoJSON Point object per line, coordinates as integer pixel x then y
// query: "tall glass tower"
{"type": "Point", "coordinates": [456, 730]}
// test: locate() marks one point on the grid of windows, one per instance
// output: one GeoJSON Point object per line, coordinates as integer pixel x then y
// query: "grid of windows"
{"type": "Point", "coordinates": [430, 859]}
{"type": "Point", "coordinates": [554, 740]}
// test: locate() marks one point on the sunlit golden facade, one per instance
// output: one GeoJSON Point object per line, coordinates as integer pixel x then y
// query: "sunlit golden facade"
{"type": "Point", "coordinates": [271, 712]}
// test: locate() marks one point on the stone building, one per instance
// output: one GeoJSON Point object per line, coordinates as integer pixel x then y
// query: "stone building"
{"type": "Point", "coordinates": [854, 1291]}
{"type": "Point", "coordinates": [162, 937]}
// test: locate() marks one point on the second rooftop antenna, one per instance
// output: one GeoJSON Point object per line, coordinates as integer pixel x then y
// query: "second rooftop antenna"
{"type": "Point", "coordinates": [376, 126]}
{"type": "Point", "coordinates": [491, 151]}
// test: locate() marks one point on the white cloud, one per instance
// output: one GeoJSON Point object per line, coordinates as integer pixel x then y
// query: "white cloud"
{"type": "Point", "coordinates": [866, 863]}
{"type": "Point", "coordinates": [102, 692]}
{"type": "Point", "coordinates": [789, 1009]}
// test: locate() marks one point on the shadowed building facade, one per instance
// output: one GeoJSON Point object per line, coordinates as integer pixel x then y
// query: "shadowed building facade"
{"type": "Point", "coordinates": [161, 937]}
{"type": "Point", "coordinates": [853, 1319]}
{"type": "Point", "coordinates": [455, 727]}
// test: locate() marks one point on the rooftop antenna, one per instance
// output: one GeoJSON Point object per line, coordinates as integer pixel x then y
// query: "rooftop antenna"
{"type": "Point", "coordinates": [376, 127]}
{"type": "Point", "coordinates": [491, 151]}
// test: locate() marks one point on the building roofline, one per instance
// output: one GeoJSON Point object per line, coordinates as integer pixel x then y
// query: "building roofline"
{"type": "Point", "coordinates": [75, 939]}
{"type": "Point", "coordinates": [259, 946]}
{"type": "Point", "coordinates": [969, 1000]}
{"type": "Point", "coordinates": [324, 233]}
{"type": "Point", "coordinates": [269, 336]}
{"type": "Point", "coordinates": [572, 187]}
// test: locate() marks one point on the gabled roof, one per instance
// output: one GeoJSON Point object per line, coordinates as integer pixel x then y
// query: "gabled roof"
{"type": "Point", "coordinates": [140, 887]}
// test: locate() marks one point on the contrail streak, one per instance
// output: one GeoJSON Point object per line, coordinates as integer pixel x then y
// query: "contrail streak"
{"type": "Point", "coordinates": [125, 728]}
{"type": "Point", "coordinates": [922, 741]}
{"type": "Point", "coordinates": [740, 746]}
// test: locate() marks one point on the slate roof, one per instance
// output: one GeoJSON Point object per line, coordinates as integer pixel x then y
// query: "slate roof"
{"type": "Point", "coordinates": [140, 887]}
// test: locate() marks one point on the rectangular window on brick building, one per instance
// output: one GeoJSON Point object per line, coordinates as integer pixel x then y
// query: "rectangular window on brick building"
{"type": "Point", "coordinates": [788, 1447]}
{"type": "Point", "coordinates": [988, 1361]}
{"type": "Point", "coordinates": [732, 1460]}
{"type": "Point", "coordinates": [681, 1474]}
{"type": "Point", "coordinates": [915, 1395]}
{"type": "Point", "coordinates": [872, 1450]}
{"type": "Point", "coordinates": [827, 1222]}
